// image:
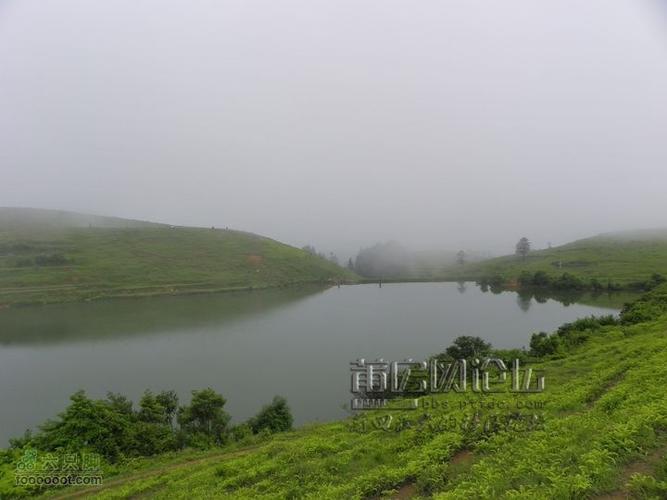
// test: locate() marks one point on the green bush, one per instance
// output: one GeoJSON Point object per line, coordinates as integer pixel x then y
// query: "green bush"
{"type": "Point", "coordinates": [525, 279]}
{"type": "Point", "coordinates": [541, 278]}
{"type": "Point", "coordinates": [241, 432]}
{"type": "Point", "coordinates": [543, 344]}
{"type": "Point", "coordinates": [205, 418]}
{"type": "Point", "coordinates": [275, 417]}
{"type": "Point", "coordinates": [113, 429]}
{"type": "Point", "coordinates": [567, 281]}
{"type": "Point", "coordinates": [648, 307]}
{"type": "Point", "coordinates": [590, 323]}
{"type": "Point", "coordinates": [466, 347]}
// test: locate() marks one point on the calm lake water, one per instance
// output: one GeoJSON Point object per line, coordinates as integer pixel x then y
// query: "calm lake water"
{"type": "Point", "coordinates": [250, 346]}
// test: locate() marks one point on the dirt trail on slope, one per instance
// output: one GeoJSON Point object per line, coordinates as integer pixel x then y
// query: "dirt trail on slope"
{"type": "Point", "coordinates": [646, 465]}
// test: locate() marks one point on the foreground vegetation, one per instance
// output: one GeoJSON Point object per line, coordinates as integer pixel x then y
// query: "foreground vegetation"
{"type": "Point", "coordinates": [599, 427]}
{"type": "Point", "coordinates": [612, 261]}
{"type": "Point", "coordinates": [50, 256]}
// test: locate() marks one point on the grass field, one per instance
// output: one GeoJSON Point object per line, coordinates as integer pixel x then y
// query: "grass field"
{"type": "Point", "coordinates": [620, 258]}
{"type": "Point", "coordinates": [50, 256]}
{"type": "Point", "coordinates": [599, 430]}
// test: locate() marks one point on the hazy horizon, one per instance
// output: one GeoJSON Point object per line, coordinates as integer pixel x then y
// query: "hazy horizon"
{"type": "Point", "coordinates": [441, 125]}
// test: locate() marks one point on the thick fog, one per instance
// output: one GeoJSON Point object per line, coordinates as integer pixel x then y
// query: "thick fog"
{"type": "Point", "coordinates": [341, 123]}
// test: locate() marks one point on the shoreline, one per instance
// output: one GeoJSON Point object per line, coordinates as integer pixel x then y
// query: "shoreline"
{"type": "Point", "coordinates": [110, 294]}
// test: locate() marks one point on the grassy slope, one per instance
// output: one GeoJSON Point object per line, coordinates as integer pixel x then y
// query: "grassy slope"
{"type": "Point", "coordinates": [606, 412]}
{"type": "Point", "coordinates": [622, 258]}
{"type": "Point", "coordinates": [117, 257]}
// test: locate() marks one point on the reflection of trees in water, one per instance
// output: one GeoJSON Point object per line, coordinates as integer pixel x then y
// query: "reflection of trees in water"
{"type": "Point", "coordinates": [524, 300]}
{"type": "Point", "coordinates": [613, 300]}
{"type": "Point", "coordinates": [461, 286]}
{"type": "Point", "coordinates": [494, 288]}
{"type": "Point", "coordinates": [566, 298]}
{"type": "Point", "coordinates": [597, 298]}
{"type": "Point", "coordinates": [540, 299]}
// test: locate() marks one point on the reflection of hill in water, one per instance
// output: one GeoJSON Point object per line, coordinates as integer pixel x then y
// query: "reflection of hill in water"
{"type": "Point", "coordinates": [127, 317]}
{"type": "Point", "coordinates": [610, 300]}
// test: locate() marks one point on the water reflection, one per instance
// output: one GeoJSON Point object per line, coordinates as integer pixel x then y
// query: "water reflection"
{"type": "Point", "coordinates": [524, 298]}
{"type": "Point", "coordinates": [117, 318]}
{"type": "Point", "coordinates": [461, 286]}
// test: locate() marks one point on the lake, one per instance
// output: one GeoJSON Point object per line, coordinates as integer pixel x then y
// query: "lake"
{"type": "Point", "coordinates": [250, 346]}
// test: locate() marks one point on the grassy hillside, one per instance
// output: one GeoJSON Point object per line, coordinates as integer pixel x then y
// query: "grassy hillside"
{"type": "Point", "coordinates": [53, 256]}
{"type": "Point", "coordinates": [601, 429]}
{"type": "Point", "coordinates": [622, 258]}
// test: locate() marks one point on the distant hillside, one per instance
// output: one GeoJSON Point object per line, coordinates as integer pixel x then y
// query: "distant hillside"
{"type": "Point", "coordinates": [32, 220]}
{"type": "Point", "coordinates": [54, 256]}
{"type": "Point", "coordinates": [623, 258]}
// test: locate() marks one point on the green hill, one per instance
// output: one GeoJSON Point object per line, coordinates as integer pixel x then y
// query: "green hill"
{"type": "Point", "coordinates": [599, 428]}
{"type": "Point", "coordinates": [55, 256]}
{"type": "Point", "coordinates": [623, 258]}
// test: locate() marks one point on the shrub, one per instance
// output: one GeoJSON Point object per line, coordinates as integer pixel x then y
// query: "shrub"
{"type": "Point", "coordinates": [543, 344]}
{"type": "Point", "coordinates": [596, 285]}
{"type": "Point", "coordinates": [568, 281]}
{"type": "Point", "coordinates": [205, 417]}
{"type": "Point", "coordinates": [241, 432]}
{"type": "Point", "coordinates": [525, 279]}
{"type": "Point", "coordinates": [648, 307]}
{"type": "Point", "coordinates": [275, 417]}
{"type": "Point", "coordinates": [541, 278]}
{"type": "Point", "coordinates": [466, 347]}
{"type": "Point", "coordinates": [88, 424]}
{"type": "Point", "coordinates": [589, 323]}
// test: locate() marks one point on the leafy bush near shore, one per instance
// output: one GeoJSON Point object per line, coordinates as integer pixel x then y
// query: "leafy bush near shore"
{"type": "Point", "coordinates": [648, 307]}
{"type": "Point", "coordinates": [114, 430]}
{"type": "Point", "coordinates": [569, 335]}
{"type": "Point", "coordinates": [467, 347]}
{"type": "Point", "coordinates": [568, 281]}
{"type": "Point", "coordinates": [275, 417]}
{"type": "Point", "coordinates": [543, 344]}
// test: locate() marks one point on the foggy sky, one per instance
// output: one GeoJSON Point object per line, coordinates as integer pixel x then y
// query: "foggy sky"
{"type": "Point", "coordinates": [441, 124]}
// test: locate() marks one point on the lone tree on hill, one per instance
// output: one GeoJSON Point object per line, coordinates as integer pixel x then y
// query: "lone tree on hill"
{"type": "Point", "coordinates": [460, 257]}
{"type": "Point", "coordinates": [523, 247]}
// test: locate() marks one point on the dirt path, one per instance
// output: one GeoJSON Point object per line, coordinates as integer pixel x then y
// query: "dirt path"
{"type": "Point", "coordinates": [644, 466]}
